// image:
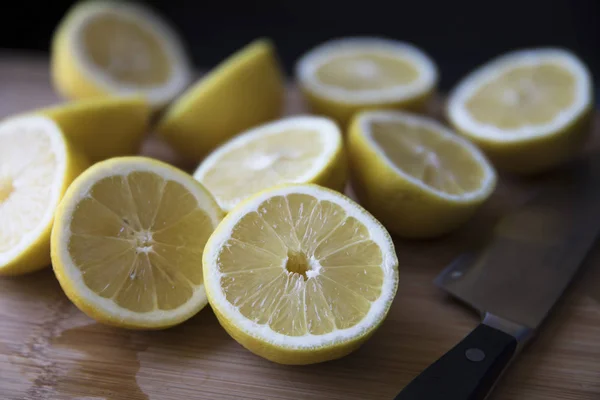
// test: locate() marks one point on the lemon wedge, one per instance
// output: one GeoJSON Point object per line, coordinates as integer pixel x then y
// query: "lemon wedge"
{"type": "Point", "coordinates": [245, 90]}
{"type": "Point", "coordinates": [103, 128]}
{"type": "Point", "coordinates": [529, 110]}
{"type": "Point", "coordinates": [343, 76]}
{"type": "Point", "coordinates": [300, 274]}
{"type": "Point", "coordinates": [111, 48]}
{"type": "Point", "coordinates": [301, 149]}
{"type": "Point", "coordinates": [417, 177]}
{"type": "Point", "coordinates": [37, 164]}
{"type": "Point", "coordinates": [128, 240]}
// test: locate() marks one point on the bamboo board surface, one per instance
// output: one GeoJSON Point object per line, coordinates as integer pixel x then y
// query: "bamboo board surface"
{"type": "Point", "coordinates": [50, 350]}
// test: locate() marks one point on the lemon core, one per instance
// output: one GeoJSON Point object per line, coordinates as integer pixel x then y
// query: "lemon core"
{"type": "Point", "coordinates": [6, 188]}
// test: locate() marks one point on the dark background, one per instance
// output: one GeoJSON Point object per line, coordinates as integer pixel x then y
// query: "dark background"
{"type": "Point", "coordinates": [459, 35]}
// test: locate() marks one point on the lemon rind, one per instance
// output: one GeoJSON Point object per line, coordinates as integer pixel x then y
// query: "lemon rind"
{"type": "Point", "coordinates": [379, 307]}
{"type": "Point", "coordinates": [493, 69]}
{"type": "Point", "coordinates": [308, 64]}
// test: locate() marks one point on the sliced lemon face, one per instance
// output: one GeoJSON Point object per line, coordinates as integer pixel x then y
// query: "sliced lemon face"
{"type": "Point", "coordinates": [300, 274]}
{"type": "Point", "coordinates": [527, 109]}
{"type": "Point", "coordinates": [36, 166]}
{"type": "Point", "coordinates": [418, 150]}
{"type": "Point", "coordinates": [292, 150]}
{"type": "Point", "coordinates": [103, 128]}
{"type": "Point", "coordinates": [245, 90]}
{"type": "Point", "coordinates": [127, 245]}
{"type": "Point", "coordinates": [419, 178]}
{"type": "Point", "coordinates": [344, 76]}
{"type": "Point", "coordinates": [112, 48]}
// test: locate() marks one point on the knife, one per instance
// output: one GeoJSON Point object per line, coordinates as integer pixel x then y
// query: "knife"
{"type": "Point", "coordinates": [514, 281]}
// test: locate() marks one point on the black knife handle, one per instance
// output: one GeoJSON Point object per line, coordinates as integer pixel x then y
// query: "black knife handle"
{"type": "Point", "coordinates": [468, 371]}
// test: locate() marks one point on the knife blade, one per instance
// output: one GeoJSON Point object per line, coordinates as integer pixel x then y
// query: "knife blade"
{"type": "Point", "coordinates": [514, 281]}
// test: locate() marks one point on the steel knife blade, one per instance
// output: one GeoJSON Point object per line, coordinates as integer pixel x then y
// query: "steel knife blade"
{"type": "Point", "coordinates": [514, 281]}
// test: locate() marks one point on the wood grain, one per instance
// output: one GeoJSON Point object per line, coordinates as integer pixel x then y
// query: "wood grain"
{"type": "Point", "coordinates": [50, 350]}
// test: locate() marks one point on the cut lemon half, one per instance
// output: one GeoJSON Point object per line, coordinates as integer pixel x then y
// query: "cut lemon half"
{"type": "Point", "coordinates": [246, 90]}
{"type": "Point", "coordinates": [37, 164]}
{"type": "Point", "coordinates": [416, 176]}
{"type": "Point", "coordinates": [113, 48]}
{"type": "Point", "coordinates": [344, 76]}
{"type": "Point", "coordinates": [128, 240]}
{"type": "Point", "coordinates": [300, 274]}
{"type": "Point", "coordinates": [529, 110]}
{"type": "Point", "coordinates": [300, 149]}
{"type": "Point", "coordinates": [103, 128]}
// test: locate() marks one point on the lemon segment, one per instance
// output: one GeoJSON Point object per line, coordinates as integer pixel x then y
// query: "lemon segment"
{"type": "Point", "coordinates": [128, 242]}
{"type": "Point", "coordinates": [344, 76]}
{"type": "Point", "coordinates": [529, 110]}
{"type": "Point", "coordinates": [110, 48]}
{"type": "Point", "coordinates": [300, 274]}
{"type": "Point", "coordinates": [245, 90]}
{"type": "Point", "coordinates": [103, 128]}
{"type": "Point", "coordinates": [416, 176]}
{"type": "Point", "coordinates": [37, 164]}
{"type": "Point", "coordinates": [301, 149]}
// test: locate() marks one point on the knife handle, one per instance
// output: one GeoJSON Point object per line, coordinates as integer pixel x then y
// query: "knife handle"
{"type": "Point", "coordinates": [468, 371]}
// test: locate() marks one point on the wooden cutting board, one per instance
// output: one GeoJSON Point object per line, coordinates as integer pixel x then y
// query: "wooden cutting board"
{"type": "Point", "coordinates": [50, 350]}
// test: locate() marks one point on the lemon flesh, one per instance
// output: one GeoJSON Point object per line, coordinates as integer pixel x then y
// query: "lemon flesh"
{"type": "Point", "coordinates": [128, 249]}
{"type": "Point", "coordinates": [344, 76]}
{"type": "Point", "coordinates": [524, 96]}
{"type": "Point", "coordinates": [108, 48]}
{"type": "Point", "coordinates": [291, 150]}
{"type": "Point", "coordinates": [366, 71]}
{"type": "Point", "coordinates": [36, 166]}
{"type": "Point", "coordinates": [298, 268]}
{"type": "Point", "coordinates": [418, 178]}
{"type": "Point", "coordinates": [419, 151]}
{"type": "Point", "coordinates": [529, 110]}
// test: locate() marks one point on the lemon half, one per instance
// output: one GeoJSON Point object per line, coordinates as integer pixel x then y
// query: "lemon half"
{"type": "Point", "coordinates": [128, 240]}
{"type": "Point", "coordinates": [300, 149]}
{"type": "Point", "coordinates": [114, 48]}
{"type": "Point", "coordinates": [300, 274]}
{"type": "Point", "coordinates": [37, 164]}
{"type": "Point", "coordinates": [245, 90]}
{"type": "Point", "coordinates": [417, 177]}
{"type": "Point", "coordinates": [343, 76]}
{"type": "Point", "coordinates": [529, 110]}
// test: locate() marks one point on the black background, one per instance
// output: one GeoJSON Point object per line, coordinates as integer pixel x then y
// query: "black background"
{"type": "Point", "coordinates": [459, 35]}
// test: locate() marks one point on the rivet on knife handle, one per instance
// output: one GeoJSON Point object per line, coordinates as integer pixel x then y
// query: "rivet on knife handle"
{"type": "Point", "coordinates": [468, 371]}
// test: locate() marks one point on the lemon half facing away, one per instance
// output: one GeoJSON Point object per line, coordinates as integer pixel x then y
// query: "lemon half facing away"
{"type": "Point", "coordinates": [128, 240]}
{"type": "Point", "coordinates": [344, 76]}
{"type": "Point", "coordinates": [300, 149]}
{"type": "Point", "coordinates": [300, 274]}
{"type": "Point", "coordinates": [105, 127]}
{"type": "Point", "coordinates": [114, 48]}
{"type": "Point", "coordinates": [529, 110]}
{"type": "Point", "coordinates": [37, 164]}
{"type": "Point", "coordinates": [245, 90]}
{"type": "Point", "coordinates": [417, 177]}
